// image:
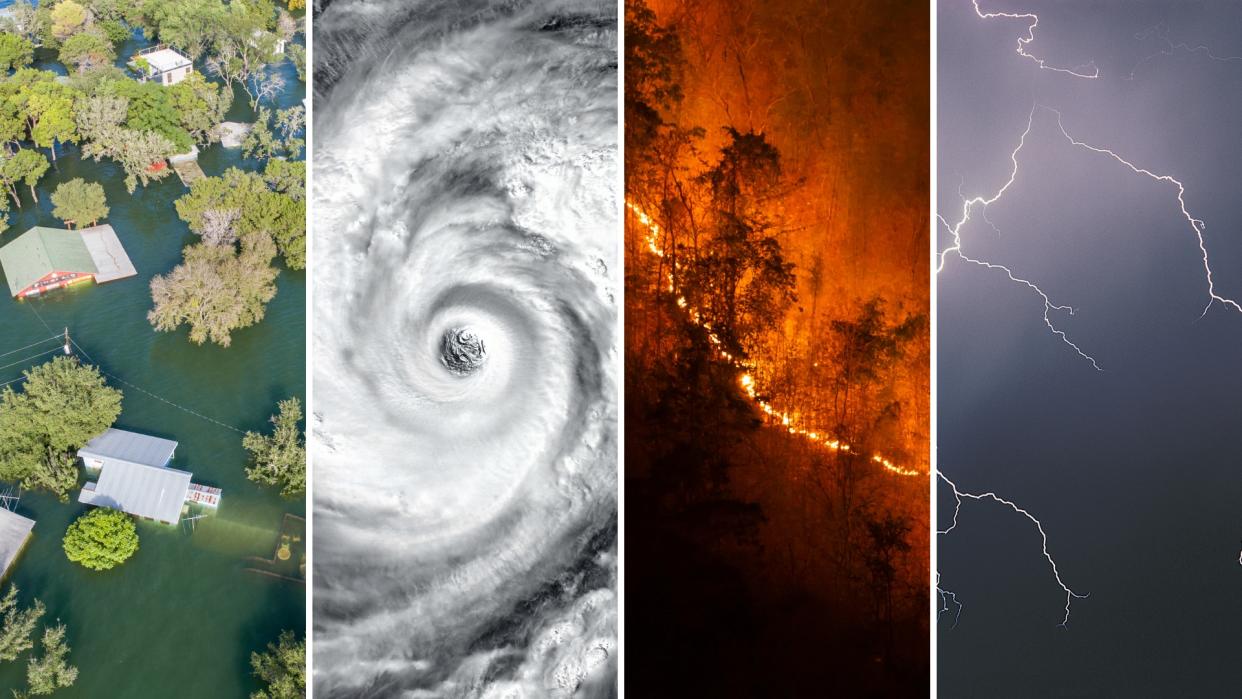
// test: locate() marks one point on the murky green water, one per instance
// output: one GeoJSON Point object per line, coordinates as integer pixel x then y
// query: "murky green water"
{"type": "Point", "coordinates": [180, 618]}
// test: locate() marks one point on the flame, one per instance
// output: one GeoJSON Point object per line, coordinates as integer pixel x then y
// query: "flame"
{"type": "Point", "coordinates": [747, 377]}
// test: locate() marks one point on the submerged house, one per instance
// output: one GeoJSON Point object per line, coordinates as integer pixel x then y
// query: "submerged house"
{"type": "Point", "coordinates": [14, 533]}
{"type": "Point", "coordinates": [42, 259]}
{"type": "Point", "coordinates": [134, 477]}
{"type": "Point", "coordinates": [163, 64]}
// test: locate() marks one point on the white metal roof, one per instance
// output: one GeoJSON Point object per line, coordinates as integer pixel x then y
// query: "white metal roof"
{"type": "Point", "coordinates": [109, 255]}
{"type": "Point", "coordinates": [165, 60]}
{"type": "Point", "coordinates": [14, 530]}
{"type": "Point", "coordinates": [145, 491]}
{"type": "Point", "coordinates": [121, 445]}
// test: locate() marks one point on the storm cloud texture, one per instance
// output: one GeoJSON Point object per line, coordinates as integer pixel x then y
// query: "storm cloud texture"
{"type": "Point", "coordinates": [465, 345]}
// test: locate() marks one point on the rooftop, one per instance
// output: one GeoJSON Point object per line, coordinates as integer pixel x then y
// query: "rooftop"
{"type": "Point", "coordinates": [165, 59]}
{"type": "Point", "coordinates": [130, 447]}
{"type": "Point", "coordinates": [110, 257]}
{"type": "Point", "coordinates": [14, 530]}
{"type": "Point", "coordinates": [145, 491]}
{"type": "Point", "coordinates": [41, 251]}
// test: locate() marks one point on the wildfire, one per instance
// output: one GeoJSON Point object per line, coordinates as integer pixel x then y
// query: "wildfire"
{"type": "Point", "coordinates": [747, 378]}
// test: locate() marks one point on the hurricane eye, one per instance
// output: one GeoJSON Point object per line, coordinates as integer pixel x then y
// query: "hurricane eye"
{"type": "Point", "coordinates": [462, 351]}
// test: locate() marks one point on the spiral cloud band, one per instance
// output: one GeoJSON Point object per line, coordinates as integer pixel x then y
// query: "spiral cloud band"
{"type": "Point", "coordinates": [466, 344]}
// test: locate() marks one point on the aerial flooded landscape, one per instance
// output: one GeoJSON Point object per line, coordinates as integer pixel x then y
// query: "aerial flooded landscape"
{"type": "Point", "coordinates": [152, 349]}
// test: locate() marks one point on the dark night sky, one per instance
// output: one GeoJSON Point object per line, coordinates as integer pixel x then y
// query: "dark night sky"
{"type": "Point", "coordinates": [1134, 471]}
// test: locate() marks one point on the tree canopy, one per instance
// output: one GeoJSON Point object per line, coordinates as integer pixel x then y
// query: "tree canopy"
{"type": "Point", "coordinates": [282, 667]}
{"type": "Point", "coordinates": [17, 625]}
{"type": "Point", "coordinates": [87, 50]}
{"type": "Point", "coordinates": [15, 51]}
{"type": "Point", "coordinates": [216, 290]}
{"type": "Point", "coordinates": [269, 204]}
{"type": "Point", "coordinates": [279, 459]}
{"type": "Point", "coordinates": [61, 407]}
{"type": "Point", "coordinates": [78, 201]}
{"type": "Point", "coordinates": [101, 539]}
{"type": "Point", "coordinates": [51, 671]}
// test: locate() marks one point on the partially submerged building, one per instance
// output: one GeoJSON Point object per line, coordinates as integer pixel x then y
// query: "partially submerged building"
{"type": "Point", "coordinates": [163, 64]}
{"type": "Point", "coordinates": [134, 476]}
{"type": "Point", "coordinates": [42, 259]}
{"type": "Point", "coordinates": [14, 533]}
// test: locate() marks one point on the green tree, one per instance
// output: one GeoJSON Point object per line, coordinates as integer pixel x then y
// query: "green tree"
{"type": "Point", "coordinates": [87, 50]}
{"type": "Point", "coordinates": [18, 625]}
{"type": "Point", "coordinates": [282, 668]}
{"type": "Point", "coordinates": [62, 406]}
{"type": "Point", "coordinates": [201, 105]}
{"type": "Point", "coordinates": [216, 290]}
{"type": "Point", "coordinates": [140, 153]}
{"type": "Point", "coordinates": [261, 208]}
{"type": "Point", "coordinates": [47, 106]}
{"type": "Point", "coordinates": [25, 166]}
{"type": "Point", "coordinates": [187, 24]}
{"type": "Point", "coordinates": [260, 142]}
{"type": "Point", "coordinates": [290, 123]}
{"type": "Point", "coordinates": [67, 18]}
{"type": "Point", "coordinates": [279, 459]}
{"type": "Point", "coordinates": [101, 539]}
{"type": "Point", "coordinates": [51, 671]}
{"type": "Point", "coordinates": [152, 108]}
{"type": "Point", "coordinates": [15, 51]}
{"type": "Point", "coordinates": [242, 56]}
{"type": "Point", "coordinates": [78, 201]}
{"type": "Point", "coordinates": [286, 177]}
{"type": "Point", "coordinates": [97, 115]}
{"type": "Point", "coordinates": [115, 31]}
{"type": "Point", "coordinates": [297, 56]}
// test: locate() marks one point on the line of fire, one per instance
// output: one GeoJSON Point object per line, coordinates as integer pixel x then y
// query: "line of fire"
{"type": "Point", "coordinates": [777, 348]}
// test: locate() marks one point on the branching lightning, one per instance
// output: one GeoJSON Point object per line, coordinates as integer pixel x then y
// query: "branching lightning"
{"type": "Point", "coordinates": [981, 203]}
{"type": "Point", "coordinates": [1024, 43]}
{"type": "Point", "coordinates": [958, 494]}
{"type": "Point", "coordinates": [1172, 48]}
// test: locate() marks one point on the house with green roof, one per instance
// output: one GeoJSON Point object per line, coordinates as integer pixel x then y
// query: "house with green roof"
{"type": "Point", "coordinates": [42, 259]}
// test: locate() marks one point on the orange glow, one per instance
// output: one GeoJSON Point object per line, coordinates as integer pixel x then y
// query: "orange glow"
{"type": "Point", "coordinates": [748, 369]}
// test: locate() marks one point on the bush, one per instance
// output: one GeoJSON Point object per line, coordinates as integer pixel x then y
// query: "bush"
{"type": "Point", "coordinates": [101, 539]}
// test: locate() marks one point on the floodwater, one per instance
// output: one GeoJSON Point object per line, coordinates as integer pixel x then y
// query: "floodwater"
{"type": "Point", "coordinates": [182, 616]}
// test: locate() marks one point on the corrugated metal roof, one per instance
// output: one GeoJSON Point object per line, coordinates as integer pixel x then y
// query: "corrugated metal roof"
{"type": "Point", "coordinates": [14, 530]}
{"type": "Point", "coordinates": [40, 251]}
{"type": "Point", "coordinates": [122, 445]}
{"type": "Point", "coordinates": [145, 491]}
{"type": "Point", "coordinates": [110, 257]}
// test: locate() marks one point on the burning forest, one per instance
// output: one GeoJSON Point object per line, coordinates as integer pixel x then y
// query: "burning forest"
{"type": "Point", "coordinates": [777, 347]}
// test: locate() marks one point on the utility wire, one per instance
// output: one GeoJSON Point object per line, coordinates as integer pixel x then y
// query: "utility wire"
{"type": "Point", "coordinates": [162, 399]}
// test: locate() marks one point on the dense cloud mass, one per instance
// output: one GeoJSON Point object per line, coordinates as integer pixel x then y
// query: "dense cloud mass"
{"type": "Point", "coordinates": [465, 349]}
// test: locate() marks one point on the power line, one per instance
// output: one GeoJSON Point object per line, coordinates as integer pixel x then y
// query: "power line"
{"type": "Point", "coordinates": [140, 389]}
{"type": "Point", "coordinates": [36, 356]}
{"type": "Point", "coordinates": [33, 344]}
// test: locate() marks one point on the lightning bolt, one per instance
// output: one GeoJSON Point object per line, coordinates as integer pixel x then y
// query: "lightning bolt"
{"type": "Point", "coordinates": [981, 203]}
{"type": "Point", "coordinates": [958, 494]}
{"type": "Point", "coordinates": [1171, 48]}
{"type": "Point", "coordinates": [1024, 42]}
{"type": "Point", "coordinates": [945, 598]}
